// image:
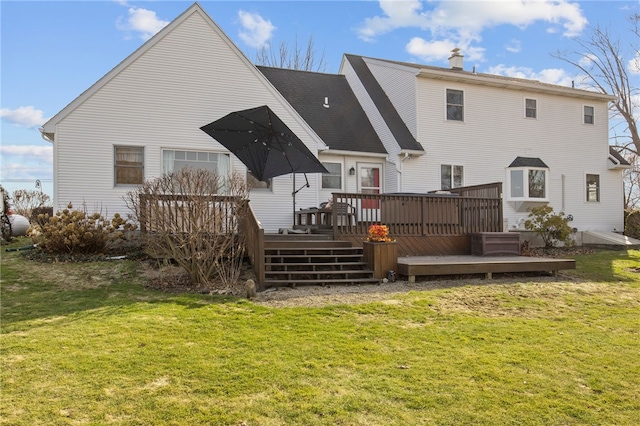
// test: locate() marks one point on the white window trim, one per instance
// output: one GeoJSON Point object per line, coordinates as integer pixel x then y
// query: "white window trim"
{"type": "Point", "coordinates": [343, 174]}
{"type": "Point", "coordinates": [209, 151]}
{"type": "Point", "coordinates": [113, 167]}
{"type": "Point", "coordinates": [452, 165]}
{"type": "Point", "coordinates": [526, 186]}
{"type": "Point", "coordinates": [599, 200]}
{"type": "Point", "coordinates": [524, 109]}
{"type": "Point", "coordinates": [464, 98]}
{"type": "Point", "coordinates": [582, 116]}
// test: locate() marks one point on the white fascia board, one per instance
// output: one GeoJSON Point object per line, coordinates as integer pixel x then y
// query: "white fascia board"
{"type": "Point", "coordinates": [354, 153]}
{"type": "Point", "coordinates": [513, 84]}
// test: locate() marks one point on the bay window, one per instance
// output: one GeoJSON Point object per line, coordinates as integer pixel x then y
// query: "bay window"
{"type": "Point", "coordinates": [528, 179]}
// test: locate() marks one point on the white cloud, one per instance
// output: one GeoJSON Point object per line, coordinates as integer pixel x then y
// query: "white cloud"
{"type": "Point", "coordinates": [27, 153]}
{"type": "Point", "coordinates": [634, 64]}
{"type": "Point", "coordinates": [26, 116]}
{"type": "Point", "coordinates": [514, 46]}
{"type": "Point", "coordinates": [144, 22]}
{"type": "Point", "coordinates": [550, 75]}
{"type": "Point", "coordinates": [463, 21]}
{"type": "Point", "coordinates": [256, 30]}
{"type": "Point", "coordinates": [440, 50]}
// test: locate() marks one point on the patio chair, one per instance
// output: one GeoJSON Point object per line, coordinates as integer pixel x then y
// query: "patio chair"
{"type": "Point", "coordinates": [346, 212]}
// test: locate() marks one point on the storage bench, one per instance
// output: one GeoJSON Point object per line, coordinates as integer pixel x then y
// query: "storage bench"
{"type": "Point", "coordinates": [495, 243]}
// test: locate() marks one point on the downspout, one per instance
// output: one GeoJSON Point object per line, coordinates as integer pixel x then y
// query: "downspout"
{"type": "Point", "coordinates": [401, 170]}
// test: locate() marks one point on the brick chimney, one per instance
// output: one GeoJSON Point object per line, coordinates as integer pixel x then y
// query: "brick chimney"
{"type": "Point", "coordinates": [456, 59]}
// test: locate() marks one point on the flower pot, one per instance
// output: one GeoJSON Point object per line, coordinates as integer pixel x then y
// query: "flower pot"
{"type": "Point", "coordinates": [380, 257]}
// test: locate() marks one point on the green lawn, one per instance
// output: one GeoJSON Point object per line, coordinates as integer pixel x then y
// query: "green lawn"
{"type": "Point", "coordinates": [88, 344]}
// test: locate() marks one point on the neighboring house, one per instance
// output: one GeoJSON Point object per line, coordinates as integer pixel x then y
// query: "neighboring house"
{"type": "Point", "coordinates": [378, 127]}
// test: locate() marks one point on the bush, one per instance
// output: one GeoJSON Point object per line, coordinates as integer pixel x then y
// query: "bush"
{"type": "Point", "coordinates": [77, 232]}
{"type": "Point", "coordinates": [632, 223]}
{"type": "Point", "coordinates": [4, 216]}
{"type": "Point", "coordinates": [552, 227]}
{"type": "Point", "coordinates": [194, 217]}
{"type": "Point", "coordinates": [25, 201]}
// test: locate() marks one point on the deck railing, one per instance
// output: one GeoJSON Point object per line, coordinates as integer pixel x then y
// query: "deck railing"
{"type": "Point", "coordinates": [206, 214]}
{"type": "Point", "coordinates": [461, 212]}
{"type": "Point", "coordinates": [254, 238]}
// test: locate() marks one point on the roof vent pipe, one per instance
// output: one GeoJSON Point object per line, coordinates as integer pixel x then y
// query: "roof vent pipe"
{"type": "Point", "coordinates": [456, 59]}
{"type": "Point", "coordinates": [326, 102]}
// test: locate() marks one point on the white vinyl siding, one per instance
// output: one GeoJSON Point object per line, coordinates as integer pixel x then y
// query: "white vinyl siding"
{"type": "Point", "coordinates": [495, 133]}
{"type": "Point", "coordinates": [190, 77]}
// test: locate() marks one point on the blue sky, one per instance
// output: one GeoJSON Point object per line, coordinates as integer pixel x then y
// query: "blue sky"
{"type": "Point", "coordinates": [52, 51]}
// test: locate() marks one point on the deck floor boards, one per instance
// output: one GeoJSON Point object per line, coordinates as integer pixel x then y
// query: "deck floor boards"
{"type": "Point", "coordinates": [454, 265]}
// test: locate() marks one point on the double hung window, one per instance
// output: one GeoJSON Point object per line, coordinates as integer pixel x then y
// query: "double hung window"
{"type": "Point", "coordinates": [333, 180]}
{"type": "Point", "coordinates": [593, 188]}
{"type": "Point", "coordinates": [455, 105]}
{"type": "Point", "coordinates": [128, 165]}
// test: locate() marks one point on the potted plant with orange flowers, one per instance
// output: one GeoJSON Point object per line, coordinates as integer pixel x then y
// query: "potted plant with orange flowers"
{"type": "Point", "coordinates": [380, 251]}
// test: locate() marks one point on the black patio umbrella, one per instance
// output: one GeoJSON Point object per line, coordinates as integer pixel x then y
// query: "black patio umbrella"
{"type": "Point", "coordinates": [266, 145]}
{"type": "Point", "coordinates": [260, 139]}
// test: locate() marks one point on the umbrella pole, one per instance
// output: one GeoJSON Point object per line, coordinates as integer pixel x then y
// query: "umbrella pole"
{"type": "Point", "coordinates": [295, 191]}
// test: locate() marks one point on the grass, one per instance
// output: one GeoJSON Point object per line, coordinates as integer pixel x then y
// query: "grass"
{"type": "Point", "coordinates": [90, 344]}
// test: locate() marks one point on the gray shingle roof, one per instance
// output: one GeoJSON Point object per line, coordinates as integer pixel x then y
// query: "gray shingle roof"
{"type": "Point", "coordinates": [390, 115]}
{"type": "Point", "coordinates": [615, 154]}
{"type": "Point", "coordinates": [528, 162]}
{"type": "Point", "coordinates": [342, 126]}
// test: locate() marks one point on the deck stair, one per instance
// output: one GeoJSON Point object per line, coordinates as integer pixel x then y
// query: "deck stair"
{"type": "Point", "coordinates": [314, 261]}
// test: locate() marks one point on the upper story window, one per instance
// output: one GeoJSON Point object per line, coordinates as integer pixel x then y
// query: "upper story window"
{"type": "Point", "coordinates": [333, 180]}
{"type": "Point", "coordinates": [530, 108]}
{"type": "Point", "coordinates": [588, 115]}
{"type": "Point", "coordinates": [528, 179]}
{"type": "Point", "coordinates": [174, 160]}
{"type": "Point", "coordinates": [593, 188]}
{"type": "Point", "coordinates": [455, 105]}
{"type": "Point", "coordinates": [128, 165]}
{"type": "Point", "coordinates": [451, 176]}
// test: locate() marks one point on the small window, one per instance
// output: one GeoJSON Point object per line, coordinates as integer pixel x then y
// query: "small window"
{"type": "Point", "coordinates": [254, 183]}
{"type": "Point", "coordinates": [455, 105]}
{"type": "Point", "coordinates": [129, 165]}
{"type": "Point", "coordinates": [530, 108]}
{"type": "Point", "coordinates": [332, 180]}
{"type": "Point", "coordinates": [588, 115]}
{"type": "Point", "coordinates": [451, 176]}
{"type": "Point", "coordinates": [593, 188]}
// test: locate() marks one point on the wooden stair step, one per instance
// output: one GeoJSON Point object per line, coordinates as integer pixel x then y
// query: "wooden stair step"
{"type": "Point", "coordinates": [345, 272]}
{"type": "Point", "coordinates": [293, 245]}
{"type": "Point", "coordinates": [354, 281]}
{"type": "Point", "coordinates": [313, 256]}
{"type": "Point", "coordinates": [340, 265]}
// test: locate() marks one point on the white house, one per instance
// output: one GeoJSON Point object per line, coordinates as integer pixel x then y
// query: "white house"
{"type": "Point", "coordinates": [377, 126]}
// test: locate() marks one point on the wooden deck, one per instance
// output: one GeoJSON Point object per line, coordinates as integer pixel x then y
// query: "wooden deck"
{"type": "Point", "coordinates": [455, 265]}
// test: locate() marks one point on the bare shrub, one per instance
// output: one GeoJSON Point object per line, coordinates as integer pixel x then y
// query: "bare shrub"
{"type": "Point", "coordinates": [193, 216]}
{"type": "Point", "coordinates": [75, 231]}
{"type": "Point", "coordinates": [5, 222]}
{"type": "Point", "coordinates": [25, 201]}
